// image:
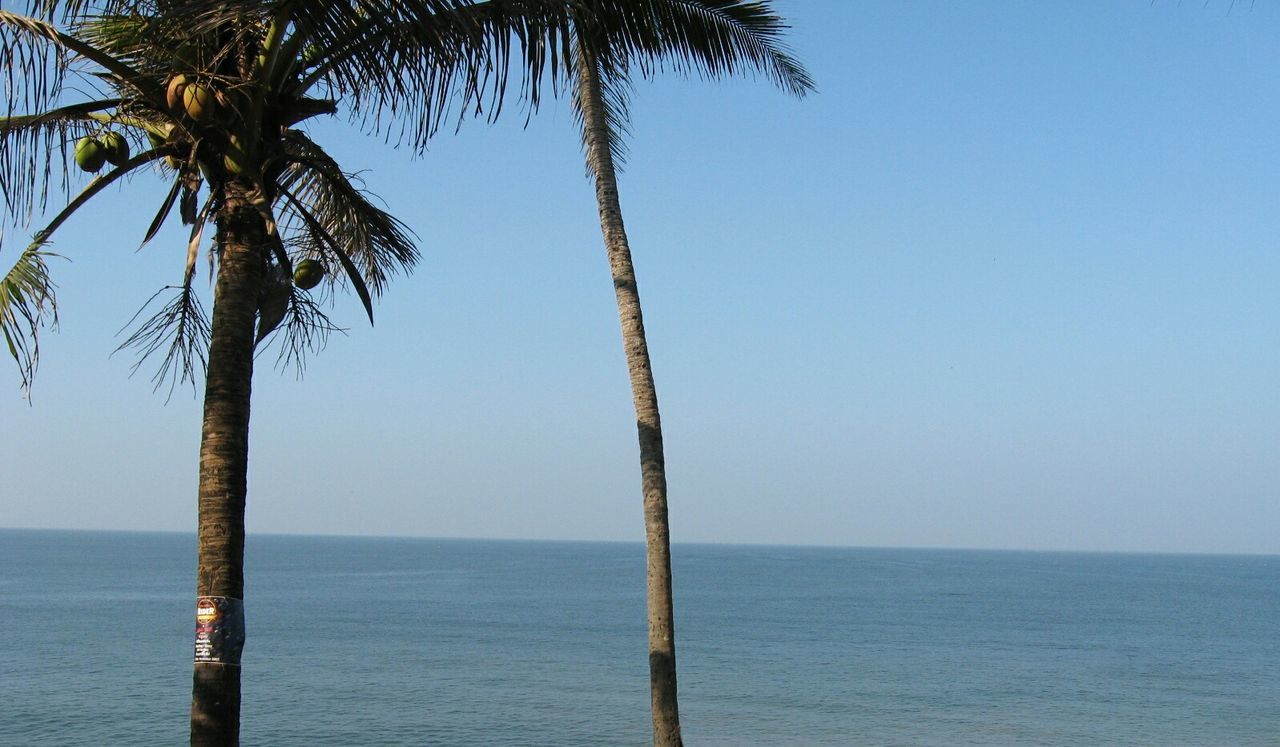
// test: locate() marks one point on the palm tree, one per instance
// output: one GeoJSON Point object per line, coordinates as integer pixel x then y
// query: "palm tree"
{"type": "Point", "coordinates": [213, 95]}
{"type": "Point", "coordinates": [591, 45]}
{"type": "Point", "coordinates": [711, 37]}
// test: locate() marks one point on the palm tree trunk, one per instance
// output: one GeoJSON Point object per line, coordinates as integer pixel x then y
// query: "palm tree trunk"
{"type": "Point", "coordinates": [224, 461]}
{"type": "Point", "coordinates": [662, 644]}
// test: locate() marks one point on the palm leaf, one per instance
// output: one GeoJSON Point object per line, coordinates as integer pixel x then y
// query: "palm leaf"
{"type": "Point", "coordinates": [70, 12]}
{"type": "Point", "coordinates": [712, 38]}
{"type": "Point", "coordinates": [180, 328]}
{"type": "Point", "coordinates": [34, 70]}
{"type": "Point", "coordinates": [28, 143]}
{"type": "Point", "coordinates": [166, 207]}
{"type": "Point", "coordinates": [193, 243]}
{"type": "Point", "coordinates": [326, 240]}
{"type": "Point", "coordinates": [36, 29]}
{"type": "Point", "coordinates": [402, 65]}
{"type": "Point", "coordinates": [708, 37]}
{"type": "Point", "coordinates": [145, 42]}
{"type": "Point", "coordinates": [615, 94]}
{"type": "Point", "coordinates": [273, 302]}
{"type": "Point", "coordinates": [27, 303]}
{"type": "Point", "coordinates": [306, 332]}
{"type": "Point", "coordinates": [378, 244]}
{"type": "Point", "coordinates": [399, 62]}
{"type": "Point", "coordinates": [97, 185]}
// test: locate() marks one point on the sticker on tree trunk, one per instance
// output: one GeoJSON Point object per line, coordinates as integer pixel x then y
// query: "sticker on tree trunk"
{"type": "Point", "coordinates": [219, 630]}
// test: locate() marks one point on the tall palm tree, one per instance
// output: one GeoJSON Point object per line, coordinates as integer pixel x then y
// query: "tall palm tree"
{"type": "Point", "coordinates": [591, 46]}
{"type": "Point", "coordinates": [711, 37]}
{"type": "Point", "coordinates": [212, 95]}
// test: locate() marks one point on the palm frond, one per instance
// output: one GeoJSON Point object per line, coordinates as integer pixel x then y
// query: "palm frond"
{"type": "Point", "coordinates": [27, 304]}
{"type": "Point", "coordinates": [528, 38]}
{"type": "Point", "coordinates": [322, 241]}
{"type": "Point", "coordinates": [166, 207]}
{"type": "Point", "coordinates": [72, 11]}
{"type": "Point", "coordinates": [305, 332]}
{"type": "Point", "coordinates": [712, 38]}
{"type": "Point", "coordinates": [401, 64]}
{"type": "Point", "coordinates": [709, 38]}
{"type": "Point", "coordinates": [34, 70]}
{"type": "Point", "coordinates": [39, 58]}
{"type": "Point", "coordinates": [180, 328]}
{"type": "Point", "coordinates": [18, 29]}
{"type": "Point", "coordinates": [615, 97]}
{"type": "Point", "coordinates": [193, 243]}
{"type": "Point", "coordinates": [273, 300]}
{"type": "Point", "coordinates": [31, 144]}
{"type": "Point", "coordinates": [26, 177]}
{"type": "Point", "coordinates": [344, 216]}
{"type": "Point", "coordinates": [155, 46]}
{"type": "Point", "coordinates": [131, 37]}
{"type": "Point", "coordinates": [94, 187]}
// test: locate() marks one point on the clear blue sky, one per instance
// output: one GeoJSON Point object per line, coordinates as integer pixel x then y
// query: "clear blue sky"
{"type": "Point", "coordinates": [1010, 279]}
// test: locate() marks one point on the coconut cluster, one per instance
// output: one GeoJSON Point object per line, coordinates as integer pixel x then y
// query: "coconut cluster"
{"type": "Point", "coordinates": [192, 97]}
{"type": "Point", "coordinates": [92, 153]}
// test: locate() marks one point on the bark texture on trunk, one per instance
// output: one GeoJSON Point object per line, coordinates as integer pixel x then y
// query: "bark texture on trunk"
{"type": "Point", "coordinates": [224, 451]}
{"type": "Point", "coordinates": [662, 645]}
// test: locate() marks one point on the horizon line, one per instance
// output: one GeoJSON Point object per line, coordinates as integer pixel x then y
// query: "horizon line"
{"type": "Point", "coordinates": [721, 543]}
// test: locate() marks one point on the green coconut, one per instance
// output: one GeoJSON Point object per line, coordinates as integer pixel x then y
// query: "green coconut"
{"type": "Point", "coordinates": [308, 273]}
{"type": "Point", "coordinates": [90, 155]}
{"type": "Point", "coordinates": [116, 147]}
{"type": "Point", "coordinates": [198, 102]}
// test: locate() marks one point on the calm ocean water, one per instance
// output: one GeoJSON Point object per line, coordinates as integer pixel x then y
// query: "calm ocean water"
{"type": "Point", "coordinates": [458, 642]}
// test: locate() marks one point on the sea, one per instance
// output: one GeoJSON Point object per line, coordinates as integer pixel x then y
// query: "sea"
{"type": "Point", "coordinates": [381, 641]}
